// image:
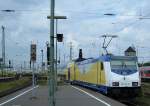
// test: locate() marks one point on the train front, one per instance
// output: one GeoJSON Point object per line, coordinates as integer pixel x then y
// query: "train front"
{"type": "Point", "coordinates": [124, 78]}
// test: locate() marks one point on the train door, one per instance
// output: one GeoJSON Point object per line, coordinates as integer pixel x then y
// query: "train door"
{"type": "Point", "coordinates": [68, 74]}
{"type": "Point", "coordinates": [101, 73]}
{"type": "Point", "coordinates": [98, 73]}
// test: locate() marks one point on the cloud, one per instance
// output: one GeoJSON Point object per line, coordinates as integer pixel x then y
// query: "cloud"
{"type": "Point", "coordinates": [84, 25]}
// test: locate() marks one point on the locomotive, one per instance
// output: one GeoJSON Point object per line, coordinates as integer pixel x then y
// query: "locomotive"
{"type": "Point", "coordinates": [109, 74]}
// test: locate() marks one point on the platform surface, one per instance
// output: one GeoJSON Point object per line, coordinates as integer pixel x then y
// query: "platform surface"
{"type": "Point", "coordinates": [66, 95]}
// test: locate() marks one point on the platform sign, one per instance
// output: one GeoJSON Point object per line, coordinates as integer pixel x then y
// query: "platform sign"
{"type": "Point", "coordinates": [33, 53]}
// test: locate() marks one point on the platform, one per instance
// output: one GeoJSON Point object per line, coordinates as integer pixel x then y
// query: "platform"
{"type": "Point", "coordinates": [66, 95]}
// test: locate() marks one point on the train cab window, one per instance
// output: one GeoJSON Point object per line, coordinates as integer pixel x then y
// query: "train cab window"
{"type": "Point", "coordinates": [102, 66]}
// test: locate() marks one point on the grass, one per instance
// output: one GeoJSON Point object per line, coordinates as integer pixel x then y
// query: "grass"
{"type": "Point", "coordinates": [7, 73]}
{"type": "Point", "coordinates": [13, 84]}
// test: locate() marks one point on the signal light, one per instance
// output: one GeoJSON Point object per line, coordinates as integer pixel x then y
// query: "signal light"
{"type": "Point", "coordinates": [33, 52]}
{"type": "Point", "coordinates": [48, 55]}
{"type": "Point", "coordinates": [59, 37]}
{"type": "Point", "coordinates": [30, 64]}
{"type": "Point", "coordinates": [9, 63]}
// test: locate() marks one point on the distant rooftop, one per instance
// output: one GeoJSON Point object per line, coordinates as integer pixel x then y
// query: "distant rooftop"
{"type": "Point", "coordinates": [130, 49]}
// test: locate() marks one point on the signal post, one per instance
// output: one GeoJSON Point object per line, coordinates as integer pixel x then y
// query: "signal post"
{"type": "Point", "coordinates": [33, 60]}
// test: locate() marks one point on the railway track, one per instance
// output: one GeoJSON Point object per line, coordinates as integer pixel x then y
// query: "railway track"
{"type": "Point", "coordinates": [141, 101]}
{"type": "Point", "coordinates": [129, 102]}
{"type": "Point", "coordinates": [7, 79]}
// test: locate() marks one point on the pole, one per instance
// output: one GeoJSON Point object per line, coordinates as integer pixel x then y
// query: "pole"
{"type": "Point", "coordinates": [24, 65]}
{"type": "Point", "coordinates": [59, 56]}
{"type": "Point", "coordinates": [64, 58]}
{"type": "Point", "coordinates": [52, 73]}
{"type": "Point", "coordinates": [3, 49]}
{"type": "Point", "coordinates": [21, 69]}
{"type": "Point", "coordinates": [70, 51]}
{"type": "Point", "coordinates": [42, 59]}
{"type": "Point", "coordinates": [33, 80]}
{"type": "Point", "coordinates": [56, 56]}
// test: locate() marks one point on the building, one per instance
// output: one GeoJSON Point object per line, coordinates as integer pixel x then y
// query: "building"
{"type": "Point", "coordinates": [130, 51]}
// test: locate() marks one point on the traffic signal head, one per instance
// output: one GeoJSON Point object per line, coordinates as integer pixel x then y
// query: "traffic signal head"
{"type": "Point", "coordinates": [48, 55]}
{"type": "Point", "coordinates": [33, 52]}
{"type": "Point", "coordinates": [59, 37]}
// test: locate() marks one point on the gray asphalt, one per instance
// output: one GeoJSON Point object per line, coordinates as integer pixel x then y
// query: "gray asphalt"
{"type": "Point", "coordinates": [65, 96]}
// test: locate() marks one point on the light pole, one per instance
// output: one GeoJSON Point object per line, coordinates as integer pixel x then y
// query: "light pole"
{"type": "Point", "coordinates": [42, 59]}
{"type": "Point", "coordinates": [3, 50]}
{"type": "Point", "coordinates": [71, 47]}
{"type": "Point", "coordinates": [57, 18]}
{"type": "Point", "coordinates": [52, 73]}
{"type": "Point", "coordinates": [3, 42]}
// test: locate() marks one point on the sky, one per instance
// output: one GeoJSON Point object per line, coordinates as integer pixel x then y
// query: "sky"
{"type": "Point", "coordinates": [84, 26]}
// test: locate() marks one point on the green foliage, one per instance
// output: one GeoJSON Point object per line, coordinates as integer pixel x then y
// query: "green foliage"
{"type": "Point", "coordinates": [146, 64]}
{"type": "Point", "coordinates": [7, 73]}
{"type": "Point", "coordinates": [13, 84]}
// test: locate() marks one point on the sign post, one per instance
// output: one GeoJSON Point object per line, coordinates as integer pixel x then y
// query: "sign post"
{"type": "Point", "coordinates": [33, 60]}
{"type": "Point", "coordinates": [1, 63]}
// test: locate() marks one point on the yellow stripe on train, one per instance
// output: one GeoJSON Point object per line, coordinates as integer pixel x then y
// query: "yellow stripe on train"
{"type": "Point", "coordinates": [91, 73]}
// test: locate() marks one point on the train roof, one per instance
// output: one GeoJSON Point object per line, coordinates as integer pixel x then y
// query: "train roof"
{"type": "Point", "coordinates": [123, 57]}
{"type": "Point", "coordinates": [106, 58]}
{"type": "Point", "coordinates": [112, 57]}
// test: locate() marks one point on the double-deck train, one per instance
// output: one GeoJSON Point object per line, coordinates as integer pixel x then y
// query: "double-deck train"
{"type": "Point", "coordinates": [145, 73]}
{"type": "Point", "coordinates": [112, 75]}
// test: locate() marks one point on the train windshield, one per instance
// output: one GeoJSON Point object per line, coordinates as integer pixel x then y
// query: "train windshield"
{"type": "Point", "coordinates": [123, 64]}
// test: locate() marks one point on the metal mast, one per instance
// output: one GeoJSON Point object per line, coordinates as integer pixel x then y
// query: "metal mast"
{"type": "Point", "coordinates": [42, 60]}
{"type": "Point", "coordinates": [71, 46]}
{"type": "Point", "coordinates": [3, 47]}
{"type": "Point", "coordinates": [52, 72]}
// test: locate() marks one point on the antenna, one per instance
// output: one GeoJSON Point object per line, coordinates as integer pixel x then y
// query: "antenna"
{"type": "Point", "coordinates": [105, 43]}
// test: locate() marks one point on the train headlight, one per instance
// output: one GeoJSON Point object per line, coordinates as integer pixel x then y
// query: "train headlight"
{"type": "Point", "coordinates": [134, 83]}
{"type": "Point", "coordinates": [115, 83]}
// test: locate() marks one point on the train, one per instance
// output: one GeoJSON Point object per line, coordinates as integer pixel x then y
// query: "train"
{"type": "Point", "coordinates": [108, 74]}
{"type": "Point", "coordinates": [145, 73]}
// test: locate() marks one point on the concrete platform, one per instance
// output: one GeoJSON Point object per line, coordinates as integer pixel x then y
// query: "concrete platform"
{"type": "Point", "coordinates": [78, 96]}
{"type": "Point", "coordinates": [66, 95]}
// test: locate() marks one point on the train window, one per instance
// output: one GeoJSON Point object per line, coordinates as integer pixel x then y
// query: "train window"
{"type": "Point", "coordinates": [146, 71]}
{"type": "Point", "coordinates": [102, 66]}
